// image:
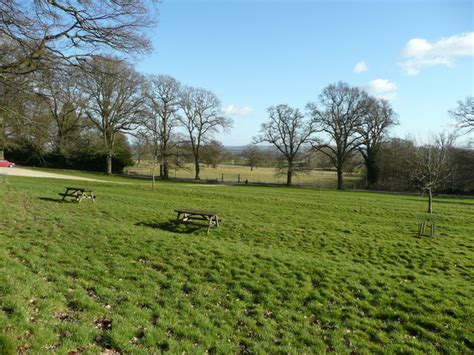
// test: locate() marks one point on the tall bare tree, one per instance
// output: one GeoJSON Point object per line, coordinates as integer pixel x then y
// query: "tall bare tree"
{"type": "Point", "coordinates": [63, 95]}
{"type": "Point", "coordinates": [24, 116]}
{"type": "Point", "coordinates": [288, 131]}
{"type": "Point", "coordinates": [464, 115]}
{"type": "Point", "coordinates": [201, 118]}
{"type": "Point", "coordinates": [28, 124]}
{"type": "Point", "coordinates": [114, 99]}
{"type": "Point", "coordinates": [339, 114]}
{"type": "Point", "coordinates": [38, 34]}
{"type": "Point", "coordinates": [164, 97]}
{"type": "Point", "coordinates": [379, 118]}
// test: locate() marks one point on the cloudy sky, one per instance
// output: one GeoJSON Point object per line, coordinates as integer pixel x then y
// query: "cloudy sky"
{"type": "Point", "coordinates": [255, 53]}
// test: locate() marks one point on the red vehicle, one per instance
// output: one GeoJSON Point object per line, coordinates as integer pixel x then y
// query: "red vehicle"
{"type": "Point", "coordinates": [7, 163]}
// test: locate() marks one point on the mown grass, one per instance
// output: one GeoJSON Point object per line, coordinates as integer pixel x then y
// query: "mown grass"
{"type": "Point", "coordinates": [289, 271]}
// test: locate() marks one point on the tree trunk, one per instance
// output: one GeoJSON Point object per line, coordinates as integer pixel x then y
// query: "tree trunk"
{"type": "Point", "coordinates": [166, 173]}
{"type": "Point", "coordinates": [372, 173]}
{"type": "Point", "coordinates": [430, 200]}
{"type": "Point", "coordinates": [197, 169]}
{"type": "Point", "coordinates": [108, 170]}
{"type": "Point", "coordinates": [340, 179]}
{"type": "Point", "coordinates": [153, 176]}
{"type": "Point", "coordinates": [289, 174]}
{"type": "Point", "coordinates": [2, 139]}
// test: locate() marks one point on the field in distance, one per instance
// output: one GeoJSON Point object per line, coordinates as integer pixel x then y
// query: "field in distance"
{"type": "Point", "coordinates": [317, 178]}
{"type": "Point", "coordinates": [289, 271]}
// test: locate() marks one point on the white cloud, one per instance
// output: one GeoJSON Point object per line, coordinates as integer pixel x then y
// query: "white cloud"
{"type": "Point", "coordinates": [360, 67]}
{"type": "Point", "coordinates": [233, 110]}
{"type": "Point", "coordinates": [382, 88]}
{"type": "Point", "coordinates": [418, 53]}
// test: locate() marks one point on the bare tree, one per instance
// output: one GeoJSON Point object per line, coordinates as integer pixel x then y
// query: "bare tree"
{"type": "Point", "coordinates": [140, 146]}
{"type": "Point", "coordinates": [432, 165]}
{"type": "Point", "coordinates": [64, 98]}
{"type": "Point", "coordinates": [214, 153]}
{"type": "Point", "coordinates": [288, 131]}
{"type": "Point", "coordinates": [28, 124]}
{"type": "Point", "coordinates": [202, 117]}
{"type": "Point", "coordinates": [379, 118]}
{"type": "Point", "coordinates": [114, 99]}
{"type": "Point", "coordinates": [51, 31]}
{"type": "Point", "coordinates": [163, 101]}
{"type": "Point", "coordinates": [253, 156]}
{"type": "Point", "coordinates": [464, 115]}
{"type": "Point", "coordinates": [38, 34]}
{"type": "Point", "coordinates": [24, 117]}
{"type": "Point", "coordinates": [339, 114]}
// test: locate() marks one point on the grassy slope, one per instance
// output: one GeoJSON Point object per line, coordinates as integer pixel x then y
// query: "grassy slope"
{"type": "Point", "coordinates": [290, 270]}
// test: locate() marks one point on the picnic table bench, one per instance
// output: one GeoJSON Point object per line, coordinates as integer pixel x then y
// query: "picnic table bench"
{"type": "Point", "coordinates": [78, 193]}
{"type": "Point", "coordinates": [189, 216]}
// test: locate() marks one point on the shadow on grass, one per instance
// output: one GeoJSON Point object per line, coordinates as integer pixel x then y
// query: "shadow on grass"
{"type": "Point", "coordinates": [172, 227]}
{"type": "Point", "coordinates": [451, 202]}
{"type": "Point", "coordinates": [57, 200]}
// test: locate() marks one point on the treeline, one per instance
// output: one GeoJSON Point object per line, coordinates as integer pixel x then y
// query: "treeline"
{"type": "Point", "coordinates": [68, 100]}
{"type": "Point", "coordinates": [344, 129]}
{"type": "Point", "coordinates": [77, 116]}
{"type": "Point", "coordinates": [80, 117]}
{"type": "Point", "coordinates": [49, 110]}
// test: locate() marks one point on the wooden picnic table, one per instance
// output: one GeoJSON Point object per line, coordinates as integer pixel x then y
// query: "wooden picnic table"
{"type": "Point", "coordinates": [78, 193]}
{"type": "Point", "coordinates": [188, 216]}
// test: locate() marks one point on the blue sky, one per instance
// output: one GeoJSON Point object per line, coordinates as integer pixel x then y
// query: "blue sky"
{"type": "Point", "coordinates": [254, 54]}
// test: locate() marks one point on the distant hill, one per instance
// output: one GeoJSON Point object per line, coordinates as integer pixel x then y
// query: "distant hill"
{"type": "Point", "coordinates": [237, 149]}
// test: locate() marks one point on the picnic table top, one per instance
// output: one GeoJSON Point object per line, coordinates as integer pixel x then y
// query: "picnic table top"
{"type": "Point", "coordinates": [198, 212]}
{"type": "Point", "coordinates": [78, 189]}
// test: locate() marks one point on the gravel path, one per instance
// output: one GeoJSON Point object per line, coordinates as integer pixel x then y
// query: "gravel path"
{"type": "Point", "coordinates": [35, 173]}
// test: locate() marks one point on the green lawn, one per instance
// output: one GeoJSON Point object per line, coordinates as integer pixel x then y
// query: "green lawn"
{"type": "Point", "coordinates": [289, 271]}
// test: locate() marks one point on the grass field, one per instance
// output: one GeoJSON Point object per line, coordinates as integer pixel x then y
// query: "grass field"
{"type": "Point", "coordinates": [289, 271]}
{"type": "Point", "coordinates": [318, 178]}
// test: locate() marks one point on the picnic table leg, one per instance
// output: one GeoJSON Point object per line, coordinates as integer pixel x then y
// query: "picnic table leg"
{"type": "Point", "coordinates": [92, 197]}
{"type": "Point", "coordinates": [422, 228]}
{"type": "Point", "coordinates": [217, 220]}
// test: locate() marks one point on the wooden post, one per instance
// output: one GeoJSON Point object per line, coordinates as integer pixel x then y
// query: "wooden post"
{"type": "Point", "coordinates": [430, 200]}
{"type": "Point", "coordinates": [222, 177]}
{"type": "Point", "coordinates": [238, 178]}
{"type": "Point", "coordinates": [153, 175]}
